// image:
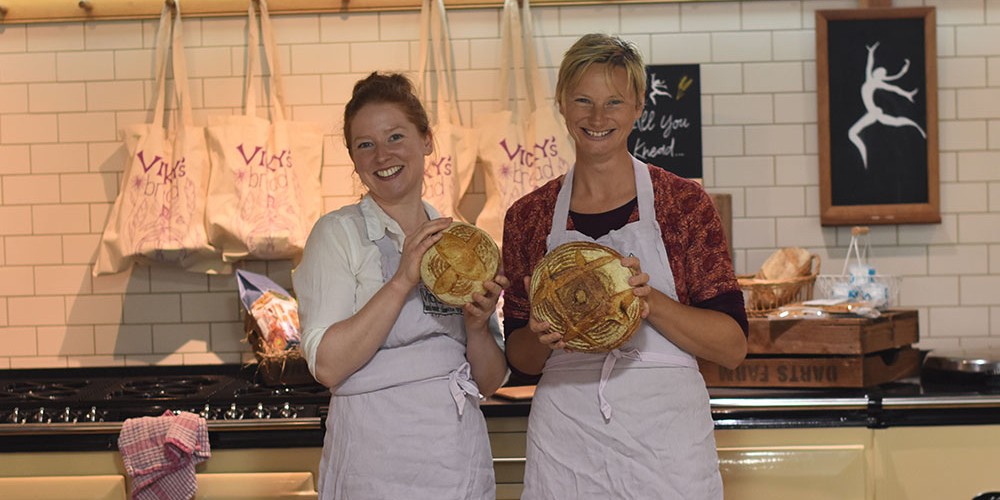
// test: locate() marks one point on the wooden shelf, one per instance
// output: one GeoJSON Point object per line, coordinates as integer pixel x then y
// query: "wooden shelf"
{"type": "Point", "coordinates": [39, 11]}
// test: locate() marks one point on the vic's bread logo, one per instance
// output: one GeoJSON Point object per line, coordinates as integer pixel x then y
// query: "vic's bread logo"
{"type": "Point", "coordinates": [528, 157]}
{"type": "Point", "coordinates": [438, 166]}
{"type": "Point", "coordinates": [269, 160]}
{"type": "Point", "coordinates": [530, 167]}
{"type": "Point", "coordinates": [438, 175]}
{"type": "Point", "coordinates": [163, 170]}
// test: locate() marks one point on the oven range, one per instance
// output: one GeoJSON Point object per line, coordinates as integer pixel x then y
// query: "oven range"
{"type": "Point", "coordinates": [98, 400]}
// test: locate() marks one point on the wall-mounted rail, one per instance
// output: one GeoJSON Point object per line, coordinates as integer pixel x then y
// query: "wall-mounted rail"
{"type": "Point", "coordinates": [40, 11]}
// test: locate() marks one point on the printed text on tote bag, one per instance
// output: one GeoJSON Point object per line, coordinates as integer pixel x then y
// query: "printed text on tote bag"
{"type": "Point", "coordinates": [531, 167]}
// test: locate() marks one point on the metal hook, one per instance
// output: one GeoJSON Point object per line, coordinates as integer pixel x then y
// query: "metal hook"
{"type": "Point", "coordinates": [86, 5]}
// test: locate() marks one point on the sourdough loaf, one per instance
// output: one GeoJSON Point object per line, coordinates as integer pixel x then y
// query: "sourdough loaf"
{"type": "Point", "coordinates": [457, 265]}
{"type": "Point", "coordinates": [582, 291]}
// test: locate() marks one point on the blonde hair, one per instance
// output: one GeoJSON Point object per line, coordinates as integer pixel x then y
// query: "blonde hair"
{"type": "Point", "coordinates": [598, 48]}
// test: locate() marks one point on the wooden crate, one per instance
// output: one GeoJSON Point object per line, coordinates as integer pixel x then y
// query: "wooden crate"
{"type": "Point", "coordinates": [849, 336]}
{"type": "Point", "coordinates": [842, 352]}
{"type": "Point", "coordinates": [815, 371]}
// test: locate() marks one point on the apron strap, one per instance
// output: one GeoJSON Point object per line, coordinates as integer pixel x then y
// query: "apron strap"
{"type": "Point", "coordinates": [644, 195]}
{"type": "Point", "coordinates": [659, 358]}
{"type": "Point", "coordinates": [390, 259]}
{"type": "Point", "coordinates": [609, 364]}
{"type": "Point", "coordinates": [461, 385]}
{"type": "Point", "coordinates": [644, 191]}
{"type": "Point", "coordinates": [561, 211]}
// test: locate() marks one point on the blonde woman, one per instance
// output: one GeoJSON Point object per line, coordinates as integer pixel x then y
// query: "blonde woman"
{"type": "Point", "coordinates": [633, 423]}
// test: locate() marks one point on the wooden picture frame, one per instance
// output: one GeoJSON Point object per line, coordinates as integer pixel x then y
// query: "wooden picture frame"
{"type": "Point", "coordinates": [876, 85]}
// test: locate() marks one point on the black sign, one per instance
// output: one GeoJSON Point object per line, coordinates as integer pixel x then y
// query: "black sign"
{"type": "Point", "coordinates": [878, 110]}
{"type": "Point", "coordinates": [668, 134]}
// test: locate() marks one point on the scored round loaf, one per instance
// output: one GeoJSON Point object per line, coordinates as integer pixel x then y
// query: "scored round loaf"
{"type": "Point", "coordinates": [459, 263]}
{"type": "Point", "coordinates": [582, 290]}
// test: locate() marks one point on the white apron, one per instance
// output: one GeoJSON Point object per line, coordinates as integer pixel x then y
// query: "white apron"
{"type": "Point", "coordinates": [634, 423]}
{"type": "Point", "coordinates": [407, 425]}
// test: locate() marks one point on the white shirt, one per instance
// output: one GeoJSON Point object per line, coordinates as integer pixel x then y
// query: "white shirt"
{"type": "Point", "coordinates": [341, 268]}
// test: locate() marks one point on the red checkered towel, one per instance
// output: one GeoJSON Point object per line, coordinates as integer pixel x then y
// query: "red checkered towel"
{"type": "Point", "coordinates": [160, 454]}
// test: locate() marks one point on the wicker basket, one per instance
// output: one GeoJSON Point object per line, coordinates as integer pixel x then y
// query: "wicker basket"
{"type": "Point", "coordinates": [274, 368]}
{"type": "Point", "coordinates": [763, 296]}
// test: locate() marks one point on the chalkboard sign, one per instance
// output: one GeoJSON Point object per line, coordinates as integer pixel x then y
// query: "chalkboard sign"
{"type": "Point", "coordinates": [878, 134]}
{"type": "Point", "coordinates": [668, 134]}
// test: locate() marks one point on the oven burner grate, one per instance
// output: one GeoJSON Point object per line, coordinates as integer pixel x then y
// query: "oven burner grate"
{"type": "Point", "coordinates": [42, 390]}
{"type": "Point", "coordinates": [162, 388]}
{"type": "Point", "coordinates": [258, 391]}
{"type": "Point", "coordinates": [110, 395]}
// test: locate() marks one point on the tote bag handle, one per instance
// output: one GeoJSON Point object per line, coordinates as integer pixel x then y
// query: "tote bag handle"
{"type": "Point", "coordinates": [173, 34]}
{"type": "Point", "coordinates": [517, 53]}
{"type": "Point", "coordinates": [435, 42]}
{"type": "Point", "coordinates": [254, 36]}
{"type": "Point", "coordinates": [536, 84]}
{"type": "Point", "coordinates": [512, 63]}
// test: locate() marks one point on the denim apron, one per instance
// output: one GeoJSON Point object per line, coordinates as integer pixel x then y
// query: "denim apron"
{"type": "Point", "coordinates": [634, 423]}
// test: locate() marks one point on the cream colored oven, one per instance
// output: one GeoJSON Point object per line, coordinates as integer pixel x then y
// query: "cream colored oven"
{"type": "Point", "coordinates": [59, 430]}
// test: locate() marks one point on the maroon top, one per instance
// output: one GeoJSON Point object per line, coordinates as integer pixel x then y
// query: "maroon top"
{"type": "Point", "coordinates": [692, 233]}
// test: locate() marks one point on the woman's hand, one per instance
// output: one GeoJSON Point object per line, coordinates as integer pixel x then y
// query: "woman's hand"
{"type": "Point", "coordinates": [489, 367]}
{"type": "Point", "coordinates": [483, 305]}
{"type": "Point", "coordinates": [639, 282]}
{"type": "Point", "coordinates": [414, 248]}
{"type": "Point", "coordinates": [552, 340]}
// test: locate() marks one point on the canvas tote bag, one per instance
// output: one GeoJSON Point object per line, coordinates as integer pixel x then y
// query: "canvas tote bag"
{"type": "Point", "coordinates": [264, 192]}
{"type": "Point", "coordinates": [448, 170]}
{"type": "Point", "coordinates": [159, 214]}
{"type": "Point", "coordinates": [525, 144]}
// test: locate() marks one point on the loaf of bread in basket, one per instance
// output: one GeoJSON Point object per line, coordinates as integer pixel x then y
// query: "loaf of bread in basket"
{"type": "Point", "coordinates": [786, 276]}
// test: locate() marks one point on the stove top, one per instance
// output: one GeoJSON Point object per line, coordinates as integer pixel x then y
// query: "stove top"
{"type": "Point", "coordinates": [216, 392]}
{"type": "Point", "coordinates": [230, 398]}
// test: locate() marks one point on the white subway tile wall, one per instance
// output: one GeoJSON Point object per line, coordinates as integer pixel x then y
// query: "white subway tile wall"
{"type": "Point", "coordinates": [67, 88]}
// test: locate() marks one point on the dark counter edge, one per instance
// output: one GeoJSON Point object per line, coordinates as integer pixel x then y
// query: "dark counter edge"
{"type": "Point", "coordinates": [902, 403]}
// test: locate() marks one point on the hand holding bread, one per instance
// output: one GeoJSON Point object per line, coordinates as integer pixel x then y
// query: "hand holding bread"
{"type": "Point", "coordinates": [583, 291]}
{"type": "Point", "coordinates": [459, 262]}
{"type": "Point", "coordinates": [415, 248]}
